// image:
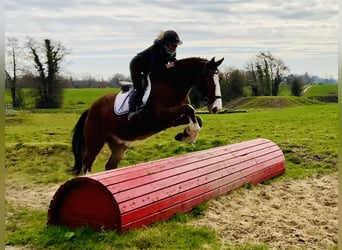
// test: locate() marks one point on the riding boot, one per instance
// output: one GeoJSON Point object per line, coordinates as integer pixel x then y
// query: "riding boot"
{"type": "Point", "coordinates": [134, 104]}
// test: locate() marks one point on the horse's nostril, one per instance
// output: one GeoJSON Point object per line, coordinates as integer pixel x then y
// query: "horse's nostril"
{"type": "Point", "coordinates": [214, 110]}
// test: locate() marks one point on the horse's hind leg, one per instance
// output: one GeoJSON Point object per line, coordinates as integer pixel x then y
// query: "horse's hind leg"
{"type": "Point", "coordinates": [118, 149]}
{"type": "Point", "coordinates": [90, 156]}
{"type": "Point", "coordinates": [93, 145]}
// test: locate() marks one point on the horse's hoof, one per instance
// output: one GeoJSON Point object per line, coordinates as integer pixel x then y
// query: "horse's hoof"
{"type": "Point", "coordinates": [179, 137]}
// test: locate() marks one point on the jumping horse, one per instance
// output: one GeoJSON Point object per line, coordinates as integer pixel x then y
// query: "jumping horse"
{"type": "Point", "coordinates": [168, 106]}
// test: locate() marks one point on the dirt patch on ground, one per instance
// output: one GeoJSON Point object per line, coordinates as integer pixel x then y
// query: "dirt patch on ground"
{"type": "Point", "coordinates": [37, 197]}
{"type": "Point", "coordinates": [327, 98]}
{"type": "Point", "coordinates": [287, 214]}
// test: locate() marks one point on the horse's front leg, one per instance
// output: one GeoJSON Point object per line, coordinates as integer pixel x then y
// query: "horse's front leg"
{"type": "Point", "coordinates": [177, 116]}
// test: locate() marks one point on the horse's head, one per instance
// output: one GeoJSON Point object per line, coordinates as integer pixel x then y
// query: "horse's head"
{"type": "Point", "coordinates": [209, 85]}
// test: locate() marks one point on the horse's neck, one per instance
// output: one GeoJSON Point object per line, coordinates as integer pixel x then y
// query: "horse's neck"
{"type": "Point", "coordinates": [182, 78]}
{"type": "Point", "coordinates": [183, 81]}
{"type": "Point", "coordinates": [187, 75]}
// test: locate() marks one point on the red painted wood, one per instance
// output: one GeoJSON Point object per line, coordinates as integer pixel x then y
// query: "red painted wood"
{"type": "Point", "coordinates": [142, 194]}
{"type": "Point", "coordinates": [176, 176]}
{"type": "Point", "coordinates": [181, 197]}
{"type": "Point", "coordinates": [191, 184]}
{"type": "Point", "coordinates": [171, 162]}
{"type": "Point", "coordinates": [148, 177]}
{"type": "Point", "coordinates": [84, 201]}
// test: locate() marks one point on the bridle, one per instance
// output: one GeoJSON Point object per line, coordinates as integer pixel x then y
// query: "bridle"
{"type": "Point", "coordinates": [206, 72]}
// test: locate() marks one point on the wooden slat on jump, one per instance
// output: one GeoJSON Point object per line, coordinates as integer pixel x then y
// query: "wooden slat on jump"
{"type": "Point", "coordinates": [139, 195]}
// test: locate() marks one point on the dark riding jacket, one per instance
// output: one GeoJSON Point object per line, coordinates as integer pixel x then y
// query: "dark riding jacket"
{"type": "Point", "coordinates": [155, 57]}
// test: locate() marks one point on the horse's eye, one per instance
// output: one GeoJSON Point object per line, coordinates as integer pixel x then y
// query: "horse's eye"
{"type": "Point", "coordinates": [205, 99]}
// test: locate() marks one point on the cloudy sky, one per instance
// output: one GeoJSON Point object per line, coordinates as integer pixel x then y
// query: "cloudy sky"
{"type": "Point", "coordinates": [103, 35]}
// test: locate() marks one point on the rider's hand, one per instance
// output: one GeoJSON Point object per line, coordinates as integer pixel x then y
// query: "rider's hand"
{"type": "Point", "coordinates": [170, 65]}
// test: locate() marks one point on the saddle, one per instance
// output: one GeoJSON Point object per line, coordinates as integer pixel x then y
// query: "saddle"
{"type": "Point", "coordinates": [121, 101]}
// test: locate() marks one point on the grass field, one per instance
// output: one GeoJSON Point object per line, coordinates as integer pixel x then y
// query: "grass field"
{"type": "Point", "coordinates": [38, 154]}
{"type": "Point", "coordinates": [321, 90]}
{"type": "Point", "coordinates": [74, 99]}
{"type": "Point", "coordinates": [83, 98]}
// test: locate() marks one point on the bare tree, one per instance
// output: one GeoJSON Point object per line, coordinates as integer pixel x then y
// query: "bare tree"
{"type": "Point", "coordinates": [251, 78]}
{"type": "Point", "coordinates": [267, 72]}
{"type": "Point", "coordinates": [50, 91]}
{"type": "Point", "coordinates": [13, 50]}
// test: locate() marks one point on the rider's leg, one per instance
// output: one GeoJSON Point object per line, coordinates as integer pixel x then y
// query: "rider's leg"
{"type": "Point", "coordinates": [135, 98]}
{"type": "Point", "coordinates": [133, 104]}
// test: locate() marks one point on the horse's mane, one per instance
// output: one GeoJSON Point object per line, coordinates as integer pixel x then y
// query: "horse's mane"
{"type": "Point", "coordinates": [183, 67]}
{"type": "Point", "coordinates": [191, 61]}
{"type": "Point", "coordinates": [193, 64]}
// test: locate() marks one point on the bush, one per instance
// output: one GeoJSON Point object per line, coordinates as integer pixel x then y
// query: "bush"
{"type": "Point", "coordinates": [296, 84]}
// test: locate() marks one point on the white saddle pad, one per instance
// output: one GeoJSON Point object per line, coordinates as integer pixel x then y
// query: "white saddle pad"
{"type": "Point", "coordinates": [121, 100]}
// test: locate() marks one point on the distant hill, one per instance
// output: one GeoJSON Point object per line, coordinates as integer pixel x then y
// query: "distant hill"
{"type": "Point", "coordinates": [323, 92]}
{"type": "Point", "coordinates": [270, 102]}
{"type": "Point", "coordinates": [315, 94]}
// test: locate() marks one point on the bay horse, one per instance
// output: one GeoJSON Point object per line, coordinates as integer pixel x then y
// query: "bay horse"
{"type": "Point", "coordinates": [168, 106]}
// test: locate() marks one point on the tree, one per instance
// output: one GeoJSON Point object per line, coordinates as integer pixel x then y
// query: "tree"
{"type": "Point", "coordinates": [50, 90]}
{"type": "Point", "coordinates": [296, 84]}
{"type": "Point", "coordinates": [267, 72]}
{"type": "Point", "coordinates": [232, 84]}
{"type": "Point", "coordinates": [251, 79]}
{"type": "Point", "coordinates": [12, 71]}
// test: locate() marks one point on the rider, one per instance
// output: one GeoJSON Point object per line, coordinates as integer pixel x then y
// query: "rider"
{"type": "Point", "coordinates": [157, 58]}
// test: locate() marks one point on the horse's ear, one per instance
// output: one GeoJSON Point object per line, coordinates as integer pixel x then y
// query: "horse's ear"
{"type": "Point", "coordinates": [212, 60]}
{"type": "Point", "coordinates": [219, 61]}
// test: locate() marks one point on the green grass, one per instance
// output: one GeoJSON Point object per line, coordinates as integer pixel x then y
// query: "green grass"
{"type": "Point", "coordinates": [321, 90]}
{"type": "Point", "coordinates": [72, 98]}
{"type": "Point", "coordinates": [284, 90]}
{"type": "Point", "coordinates": [31, 231]}
{"type": "Point", "coordinates": [307, 134]}
{"type": "Point", "coordinates": [38, 153]}
{"type": "Point", "coordinates": [83, 98]}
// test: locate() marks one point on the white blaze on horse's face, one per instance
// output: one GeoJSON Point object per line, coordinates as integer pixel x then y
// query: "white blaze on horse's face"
{"type": "Point", "coordinates": [216, 106]}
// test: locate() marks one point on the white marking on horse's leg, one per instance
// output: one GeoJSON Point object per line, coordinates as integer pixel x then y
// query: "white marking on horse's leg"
{"type": "Point", "coordinates": [194, 126]}
{"type": "Point", "coordinates": [87, 173]}
{"type": "Point", "coordinates": [193, 131]}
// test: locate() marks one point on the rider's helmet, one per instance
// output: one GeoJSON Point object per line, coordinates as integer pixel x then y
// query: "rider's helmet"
{"type": "Point", "coordinates": [171, 37]}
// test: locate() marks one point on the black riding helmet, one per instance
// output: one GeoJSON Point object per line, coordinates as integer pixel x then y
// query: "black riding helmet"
{"type": "Point", "coordinates": [171, 37]}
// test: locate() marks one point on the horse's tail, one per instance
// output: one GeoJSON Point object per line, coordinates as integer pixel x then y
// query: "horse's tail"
{"type": "Point", "coordinates": [78, 143]}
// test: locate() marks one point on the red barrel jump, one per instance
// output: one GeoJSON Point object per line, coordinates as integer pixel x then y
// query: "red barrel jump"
{"type": "Point", "coordinates": [131, 197]}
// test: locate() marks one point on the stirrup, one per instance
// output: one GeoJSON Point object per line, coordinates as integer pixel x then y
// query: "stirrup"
{"type": "Point", "coordinates": [133, 114]}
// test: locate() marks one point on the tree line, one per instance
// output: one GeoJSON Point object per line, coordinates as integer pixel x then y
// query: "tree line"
{"type": "Point", "coordinates": [37, 65]}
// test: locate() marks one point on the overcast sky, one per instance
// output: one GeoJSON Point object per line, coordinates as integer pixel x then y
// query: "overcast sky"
{"type": "Point", "coordinates": [104, 35]}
